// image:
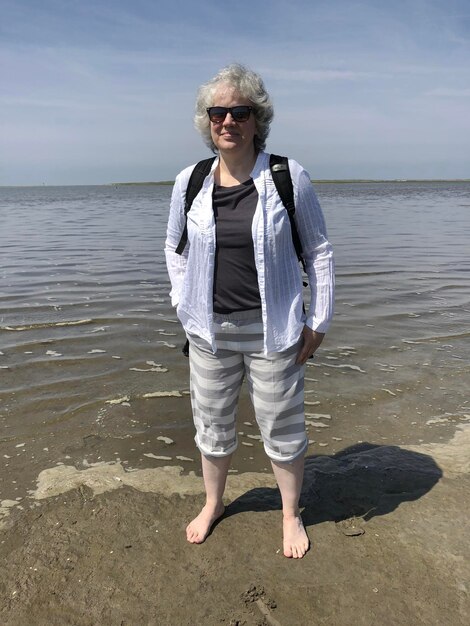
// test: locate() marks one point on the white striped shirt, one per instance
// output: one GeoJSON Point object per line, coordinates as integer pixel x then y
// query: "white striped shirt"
{"type": "Point", "coordinates": [279, 273]}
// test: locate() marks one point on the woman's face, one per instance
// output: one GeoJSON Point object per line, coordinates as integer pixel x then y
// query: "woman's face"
{"type": "Point", "coordinates": [230, 136]}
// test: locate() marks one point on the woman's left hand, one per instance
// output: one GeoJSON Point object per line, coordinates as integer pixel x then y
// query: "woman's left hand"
{"type": "Point", "coordinates": [311, 340]}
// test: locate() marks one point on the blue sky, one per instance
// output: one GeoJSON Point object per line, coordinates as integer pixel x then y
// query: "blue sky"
{"type": "Point", "coordinates": [101, 91]}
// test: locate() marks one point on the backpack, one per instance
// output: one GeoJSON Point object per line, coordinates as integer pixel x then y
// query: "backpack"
{"type": "Point", "coordinates": [280, 172]}
{"type": "Point", "coordinates": [279, 167]}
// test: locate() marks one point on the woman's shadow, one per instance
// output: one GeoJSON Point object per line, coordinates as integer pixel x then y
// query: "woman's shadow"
{"type": "Point", "coordinates": [363, 480]}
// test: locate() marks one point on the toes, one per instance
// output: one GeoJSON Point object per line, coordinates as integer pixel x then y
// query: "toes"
{"type": "Point", "coordinates": [304, 549]}
{"type": "Point", "coordinates": [191, 535]}
{"type": "Point", "coordinates": [296, 542]}
{"type": "Point", "coordinates": [296, 551]}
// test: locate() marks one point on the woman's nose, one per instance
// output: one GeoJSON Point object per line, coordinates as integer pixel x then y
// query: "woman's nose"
{"type": "Point", "coordinates": [228, 121]}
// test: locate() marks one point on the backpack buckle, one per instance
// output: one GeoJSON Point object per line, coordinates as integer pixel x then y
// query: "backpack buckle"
{"type": "Point", "coordinates": [279, 167]}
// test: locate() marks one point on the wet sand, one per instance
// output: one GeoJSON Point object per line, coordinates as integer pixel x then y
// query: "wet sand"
{"type": "Point", "coordinates": [106, 545]}
{"type": "Point", "coordinates": [98, 470]}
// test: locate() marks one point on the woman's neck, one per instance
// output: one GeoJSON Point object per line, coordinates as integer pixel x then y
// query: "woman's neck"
{"type": "Point", "coordinates": [234, 169]}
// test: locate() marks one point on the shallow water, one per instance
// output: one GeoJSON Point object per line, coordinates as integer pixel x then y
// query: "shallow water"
{"type": "Point", "coordinates": [85, 319]}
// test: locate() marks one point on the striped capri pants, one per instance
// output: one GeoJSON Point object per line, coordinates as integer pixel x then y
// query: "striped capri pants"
{"type": "Point", "coordinates": [275, 383]}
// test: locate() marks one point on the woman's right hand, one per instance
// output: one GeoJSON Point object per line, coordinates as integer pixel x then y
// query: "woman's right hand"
{"type": "Point", "coordinates": [311, 341]}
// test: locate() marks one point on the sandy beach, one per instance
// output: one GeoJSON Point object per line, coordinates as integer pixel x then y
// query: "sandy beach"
{"type": "Point", "coordinates": [105, 545]}
{"type": "Point", "coordinates": [99, 474]}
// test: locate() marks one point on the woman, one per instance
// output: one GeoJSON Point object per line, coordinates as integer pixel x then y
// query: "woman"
{"type": "Point", "coordinates": [238, 292]}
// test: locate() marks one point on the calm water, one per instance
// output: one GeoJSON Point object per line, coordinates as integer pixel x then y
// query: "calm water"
{"type": "Point", "coordinates": [85, 319]}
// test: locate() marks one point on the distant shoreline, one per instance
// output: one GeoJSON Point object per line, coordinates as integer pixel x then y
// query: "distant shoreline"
{"type": "Point", "coordinates": [334, 181]}
{"type": "Point", "coordinates": [322, 181]}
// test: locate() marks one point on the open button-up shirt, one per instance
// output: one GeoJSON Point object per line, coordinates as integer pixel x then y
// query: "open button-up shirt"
{"type": "Point", "coordinates": [279, 273]}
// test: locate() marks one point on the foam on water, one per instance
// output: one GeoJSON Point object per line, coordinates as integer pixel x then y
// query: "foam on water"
{"type": "Point", "coordinates": [86, 317]}
{"type": "Point", "coordinates": [452, 457]}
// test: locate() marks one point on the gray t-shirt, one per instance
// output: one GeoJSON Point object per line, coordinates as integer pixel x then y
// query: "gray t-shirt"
{"type": "Point", "coordinates": [235, 276]}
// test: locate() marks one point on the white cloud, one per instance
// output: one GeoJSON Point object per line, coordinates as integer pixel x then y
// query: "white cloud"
{"type": "Point", "coordinates": [95, 84]}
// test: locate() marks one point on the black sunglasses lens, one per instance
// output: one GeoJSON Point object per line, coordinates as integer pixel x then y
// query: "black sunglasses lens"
{"type": "Point", "coordinates": [217, 114]}
{"type": "Point", "coordinates": [241, 113]}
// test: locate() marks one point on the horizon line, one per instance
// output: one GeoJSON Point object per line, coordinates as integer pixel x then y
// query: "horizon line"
{"type": "Point", "coordinates": [313, 180]}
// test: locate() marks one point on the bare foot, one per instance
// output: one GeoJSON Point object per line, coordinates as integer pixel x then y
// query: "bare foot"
{"type": "Point", "coordinates": [199, 528]}
{"type": "Point", "coordinates": [296, 542]}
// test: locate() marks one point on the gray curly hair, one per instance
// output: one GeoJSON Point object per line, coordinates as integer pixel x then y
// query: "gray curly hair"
{"type": "Point", "coordinates": [250, 85]}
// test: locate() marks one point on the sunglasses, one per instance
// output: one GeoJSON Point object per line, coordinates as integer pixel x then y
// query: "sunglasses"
{"type": "Point", "coordinates": [240, 113]}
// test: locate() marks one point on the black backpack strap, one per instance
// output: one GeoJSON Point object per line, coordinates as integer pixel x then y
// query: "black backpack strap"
{"type": "Point", "coordinates": [282, 179]}
{"type": "Point", "coordinates": [196, 180]}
